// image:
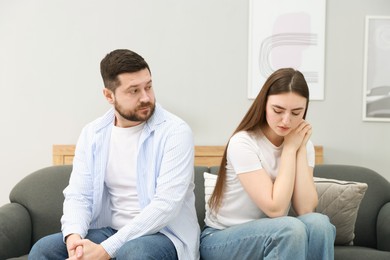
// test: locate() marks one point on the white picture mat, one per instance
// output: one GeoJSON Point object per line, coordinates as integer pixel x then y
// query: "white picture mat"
{"type": "Point", "coordinates": [285, 33]}
{"type": "Point", "coordinates": [376, 83]}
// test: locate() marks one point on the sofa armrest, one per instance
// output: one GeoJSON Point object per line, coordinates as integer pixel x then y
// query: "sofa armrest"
{"type": "Point", "coordinates": [15, 231]}
{"type": "Point", "coordinates": [383, 228]}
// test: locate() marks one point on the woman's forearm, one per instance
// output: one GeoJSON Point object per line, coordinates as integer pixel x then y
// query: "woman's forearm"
{"type": "Point", "coordinates": [285, 181]}
{"type": "Point", "coordinates": [305, 198]}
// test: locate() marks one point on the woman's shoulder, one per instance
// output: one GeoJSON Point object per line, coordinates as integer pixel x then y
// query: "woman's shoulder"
{"type": "Point", "coordinates": [243, 138]}
{"type": "Point", "coordinates": [243, 135]}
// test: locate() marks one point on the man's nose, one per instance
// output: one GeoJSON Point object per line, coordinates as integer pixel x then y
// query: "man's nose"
{"type": "Point", "coordinates": [144, 97]}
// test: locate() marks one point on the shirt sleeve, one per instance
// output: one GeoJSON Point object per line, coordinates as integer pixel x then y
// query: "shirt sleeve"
{"type": "Point", "coordinates": [310, 154]}
{"type": "Point", "coordinates": [77, 212]}
{"type": "Point", "coordinates": [242, 153]}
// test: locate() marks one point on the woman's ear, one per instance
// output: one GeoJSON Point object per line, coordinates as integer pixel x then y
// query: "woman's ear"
{"type": "Point", "coordinates": [109, 95]}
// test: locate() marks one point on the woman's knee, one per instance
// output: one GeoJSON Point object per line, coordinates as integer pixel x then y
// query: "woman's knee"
{"type": "Point", "coordinates": [318, 223]}
{"type": "Point", "coordinates": [316, 220]}
{"type": "Point", "coordinates": [295, 227]}
{"type": "Point", "coordinates": [284, 228]}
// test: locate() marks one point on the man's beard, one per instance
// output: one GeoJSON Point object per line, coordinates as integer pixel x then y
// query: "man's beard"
{"type": "Point", "coordinates": [132, 115]}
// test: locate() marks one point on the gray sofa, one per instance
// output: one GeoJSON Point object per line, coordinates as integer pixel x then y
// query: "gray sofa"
{"type": "Point", "coordinates": [36, 207]}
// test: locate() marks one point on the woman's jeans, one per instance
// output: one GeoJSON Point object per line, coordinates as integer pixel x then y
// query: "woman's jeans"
{"type": "Point", "coordinates": [156, 246]}
{"type": "Point", "coordinates": [309, 236]}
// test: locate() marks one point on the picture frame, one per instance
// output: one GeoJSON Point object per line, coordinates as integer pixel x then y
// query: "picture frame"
{"type": "Point", "coordinates": [376, 82]}
{"type": "Point", "coordinates": [287, 34]}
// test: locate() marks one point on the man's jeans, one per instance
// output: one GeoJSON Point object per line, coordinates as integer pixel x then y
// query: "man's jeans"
{"type": "Point", "coordinates": [156, 246]}
{"type": "Point", "coordinates": [309, 236]}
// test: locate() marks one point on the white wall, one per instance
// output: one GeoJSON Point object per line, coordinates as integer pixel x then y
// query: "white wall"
{"type": "Point", "coordinates": [51, 87]}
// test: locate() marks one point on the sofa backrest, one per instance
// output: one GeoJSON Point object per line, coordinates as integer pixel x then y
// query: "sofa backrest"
{"type": "Point", "coordinates": [200, 202]}
{"type": "Point", "coordinates": [41, 194]}
{"type": "Point", "coordinates": [199, 193]}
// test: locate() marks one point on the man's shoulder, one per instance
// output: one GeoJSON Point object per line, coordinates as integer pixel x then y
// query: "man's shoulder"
{"type": "Point", "coordinates": [102, 121]}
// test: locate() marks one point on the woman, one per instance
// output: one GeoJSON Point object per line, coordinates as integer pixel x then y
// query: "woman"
{"type": "Point", "coordinates": [266, 168]}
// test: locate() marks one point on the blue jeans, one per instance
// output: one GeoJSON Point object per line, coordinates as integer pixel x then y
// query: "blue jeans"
{"type": "Point", "coordinates": [309, 236]}
{"type": "Point", "coordinates": [156, 246]}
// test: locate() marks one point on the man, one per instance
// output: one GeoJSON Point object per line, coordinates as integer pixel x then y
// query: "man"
{"type": "Point", "coordinates": [130, 195]}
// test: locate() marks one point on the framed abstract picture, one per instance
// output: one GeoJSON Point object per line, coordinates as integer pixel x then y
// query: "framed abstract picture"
{"type": "Point", "coordinates": [285, 33]}
{"type": "Point", "coordinates": [376, 83]}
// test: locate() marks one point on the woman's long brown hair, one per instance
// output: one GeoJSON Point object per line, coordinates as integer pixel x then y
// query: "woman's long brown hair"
{"type": "Point", "coordinates": [281, 81]}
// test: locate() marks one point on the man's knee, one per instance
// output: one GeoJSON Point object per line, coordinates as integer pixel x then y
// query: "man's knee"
{"type": "Point", "coordinates": [48, 247]}
{"type": "Point", "coordinates": [156, 246]}
{"type": "Point", "coordinates": [132, 248]}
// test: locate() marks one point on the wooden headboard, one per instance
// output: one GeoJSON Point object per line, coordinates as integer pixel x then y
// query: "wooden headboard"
{"type": "Point", "coordinates": [204, 155]}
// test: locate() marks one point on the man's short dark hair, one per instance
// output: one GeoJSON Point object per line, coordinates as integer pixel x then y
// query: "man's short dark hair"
{"type": "Point", "coordinates": [117, 62]}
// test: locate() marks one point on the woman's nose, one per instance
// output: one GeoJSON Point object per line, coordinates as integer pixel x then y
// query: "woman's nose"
{"type": "Point", "coordinates": [286, 118]}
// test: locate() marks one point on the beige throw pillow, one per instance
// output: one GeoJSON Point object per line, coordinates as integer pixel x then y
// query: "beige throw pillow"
{"type": "Point", "coordinates": [340, 201]}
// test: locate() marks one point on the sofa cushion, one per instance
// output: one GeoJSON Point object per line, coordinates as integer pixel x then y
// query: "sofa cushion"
{"type": "Point", "coordinates": [339, 200]}
{"type": "Point", "coordinates": [359, 253]}
{"type": "Point", "coordinates": [24, 257]}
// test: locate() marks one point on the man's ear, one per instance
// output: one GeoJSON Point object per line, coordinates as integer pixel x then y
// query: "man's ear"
{"type": "Point", "coordinates": [109, 95]}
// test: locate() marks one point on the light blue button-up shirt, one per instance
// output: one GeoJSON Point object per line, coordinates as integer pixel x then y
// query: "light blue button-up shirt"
{"type": "Point", "coordinates": [165, 167]}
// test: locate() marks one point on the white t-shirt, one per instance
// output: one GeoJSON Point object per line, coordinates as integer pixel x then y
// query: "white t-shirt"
{"type": "Point", "coordinates": [247, 152]}
{"type": "Point", "coordinates": [121, 175]}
